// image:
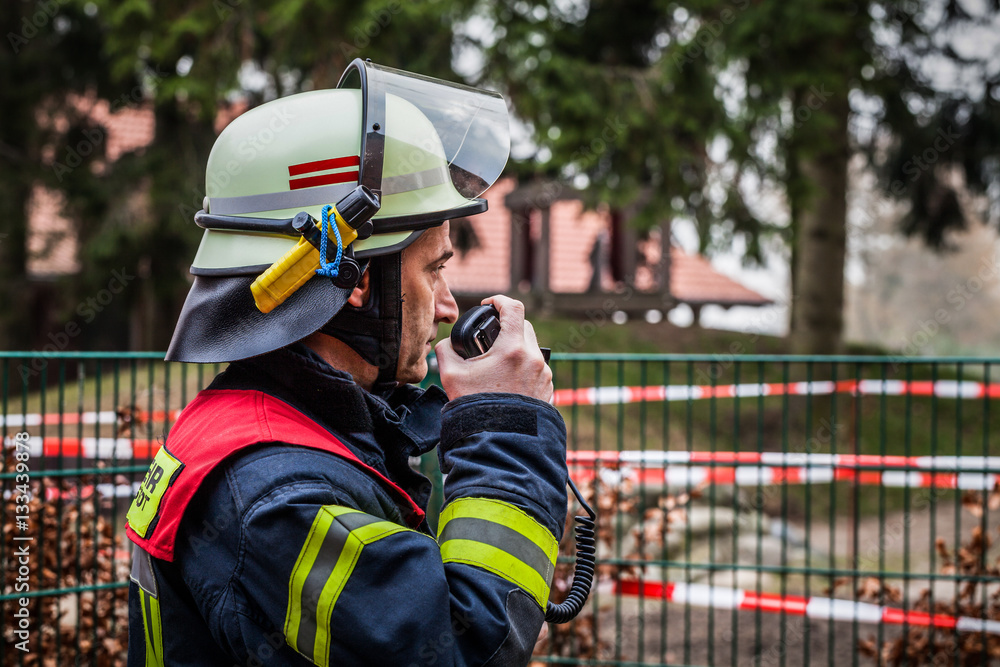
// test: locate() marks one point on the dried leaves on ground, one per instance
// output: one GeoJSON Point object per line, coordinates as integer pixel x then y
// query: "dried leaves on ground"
{"type": "Point", "coordinates": [74, 545]}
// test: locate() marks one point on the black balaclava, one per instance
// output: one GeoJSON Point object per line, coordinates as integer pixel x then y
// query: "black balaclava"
{"type": "Point", "coordinates": [374, 330]}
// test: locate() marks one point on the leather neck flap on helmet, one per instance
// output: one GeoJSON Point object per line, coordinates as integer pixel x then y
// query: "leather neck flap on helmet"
{"type": "Point", "coordinates": [375, 329]}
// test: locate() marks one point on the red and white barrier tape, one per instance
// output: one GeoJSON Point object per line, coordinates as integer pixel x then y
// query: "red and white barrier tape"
{"type": "Point", "coordinates": [75, 418]}
{"type": "Point", "coordinates": [91, 448]}
{"type": "Point", "coordinates": [618, 395]}
{"type": "Point", "coordinates": [671, 468]}
{"type": "Point", "coordinates": [719, 597]}
{"type": "Point", "coordinates": [967, 473]}
{"type": "Point", "coordinates": [656, 458]}
{"type": "Point", "coordinates": [692, 476]}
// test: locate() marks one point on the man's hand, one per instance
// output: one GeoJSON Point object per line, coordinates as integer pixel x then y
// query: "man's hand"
{"type": "Point", "coordinates": [513, 365]}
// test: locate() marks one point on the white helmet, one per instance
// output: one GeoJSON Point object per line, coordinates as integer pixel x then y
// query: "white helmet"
{"type": "Point", "coordinates": [417, 150]}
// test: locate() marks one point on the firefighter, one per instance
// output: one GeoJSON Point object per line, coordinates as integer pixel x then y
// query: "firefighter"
{"type": "Point", "coordinates": [281, 523]}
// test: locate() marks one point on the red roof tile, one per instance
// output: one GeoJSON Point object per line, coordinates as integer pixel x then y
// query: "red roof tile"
{"type": "Point", "coordinates": [694, 281]}
{"type": "Point", "coordinates": [572, 234]}
{"type": "Point", "coordinates": [127, 127]}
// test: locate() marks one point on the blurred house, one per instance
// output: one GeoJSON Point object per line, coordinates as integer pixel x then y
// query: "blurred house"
{"type": "Point", "coordinates": [539, 243]}
{"type": "Point", "coordinates": [52, 240]}
{"type": "Point", "coordinates": [536, 241]}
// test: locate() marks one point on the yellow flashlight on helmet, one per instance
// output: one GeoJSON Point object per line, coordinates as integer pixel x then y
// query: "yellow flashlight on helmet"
{"type": "Point", "coordinates": [352, 215]}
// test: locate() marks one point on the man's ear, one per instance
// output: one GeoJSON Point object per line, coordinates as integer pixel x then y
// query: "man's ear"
{"type": "Point", "coordinates": [359, 295]}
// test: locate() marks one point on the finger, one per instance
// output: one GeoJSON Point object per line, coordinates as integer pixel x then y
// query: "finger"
{"type": "Point", "coordinates": [446, 355]}
{"type": "Point", "coordinates": [511, 317]}
{"type": "Point", "coordinates": [530, 339]}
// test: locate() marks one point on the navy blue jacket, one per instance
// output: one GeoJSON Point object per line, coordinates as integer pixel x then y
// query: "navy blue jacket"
{"type": "Point", "coordinates": [295, 556]}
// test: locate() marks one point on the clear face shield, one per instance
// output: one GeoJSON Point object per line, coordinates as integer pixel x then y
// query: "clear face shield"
{"type": "Point", "coordinates": [428, 146]}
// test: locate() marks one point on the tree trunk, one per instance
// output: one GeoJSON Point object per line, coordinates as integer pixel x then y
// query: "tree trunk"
{"type": "Point", "coordinates": [817, 307]}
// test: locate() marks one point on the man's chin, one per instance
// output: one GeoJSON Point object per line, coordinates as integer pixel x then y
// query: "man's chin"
{"type": "Point", "coordinates": [413, 373]}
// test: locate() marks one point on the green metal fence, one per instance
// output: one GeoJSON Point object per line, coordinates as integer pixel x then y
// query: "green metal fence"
{"type": "Point", "coordinates": [754, 510]}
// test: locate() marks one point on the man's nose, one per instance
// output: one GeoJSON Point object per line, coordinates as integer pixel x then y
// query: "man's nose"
{"type": "Point", "coordinates": [445, 307]}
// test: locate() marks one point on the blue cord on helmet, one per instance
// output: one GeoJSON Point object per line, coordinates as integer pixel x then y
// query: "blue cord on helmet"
{"type": "Point", "coordinates": [329, 269]}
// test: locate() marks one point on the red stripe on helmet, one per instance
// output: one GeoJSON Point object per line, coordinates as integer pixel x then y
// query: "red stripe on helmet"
{"type": "Point", "coordinates": [325, 179]}
{"type": "Point", "coordinates": [323, 165]}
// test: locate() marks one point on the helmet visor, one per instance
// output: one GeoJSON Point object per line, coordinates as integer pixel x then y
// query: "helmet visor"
{"type": "Point", "coordinates": [460, 137]}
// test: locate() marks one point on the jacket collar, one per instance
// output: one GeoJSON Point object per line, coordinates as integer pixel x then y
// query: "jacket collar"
{"type": "Point", "coordinates": [405, 421]}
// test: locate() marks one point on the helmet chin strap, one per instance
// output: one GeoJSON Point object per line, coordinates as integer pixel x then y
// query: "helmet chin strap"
{"type": "Point", "coordinates": [374, 330]}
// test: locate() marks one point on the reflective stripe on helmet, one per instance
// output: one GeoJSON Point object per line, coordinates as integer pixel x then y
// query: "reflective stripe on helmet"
{"type": "Point", "coordinates": [415, 181]}
{"type": "Point", "coordinates": [276, 201]}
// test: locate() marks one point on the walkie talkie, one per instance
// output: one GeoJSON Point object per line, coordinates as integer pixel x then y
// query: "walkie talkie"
{"type": "Point", "coordinates": [473, 334]}
{"type": "Point", "coordinates": [476, 330]}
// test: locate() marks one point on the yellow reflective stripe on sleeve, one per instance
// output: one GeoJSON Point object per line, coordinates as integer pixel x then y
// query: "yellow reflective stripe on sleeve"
{"type": "Point", "coordinates": [152, 628]}
{"type": "Point", "coordinates": [502, 539]}
{"type": "Point", "coordinates": [322, 569]}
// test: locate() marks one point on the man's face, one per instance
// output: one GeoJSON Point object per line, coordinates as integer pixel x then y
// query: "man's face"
{"type": "Point", "coordinates": [426, 300]}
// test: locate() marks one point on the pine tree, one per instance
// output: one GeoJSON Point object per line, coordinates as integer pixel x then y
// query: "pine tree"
{"type": "Point", "coordinates": [720, 101]}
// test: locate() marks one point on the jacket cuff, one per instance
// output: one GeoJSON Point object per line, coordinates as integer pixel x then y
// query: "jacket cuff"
{"type": "Point", "coordinates": [499, 413]}
{"type": "Point", "coordinates": [508, 447]}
